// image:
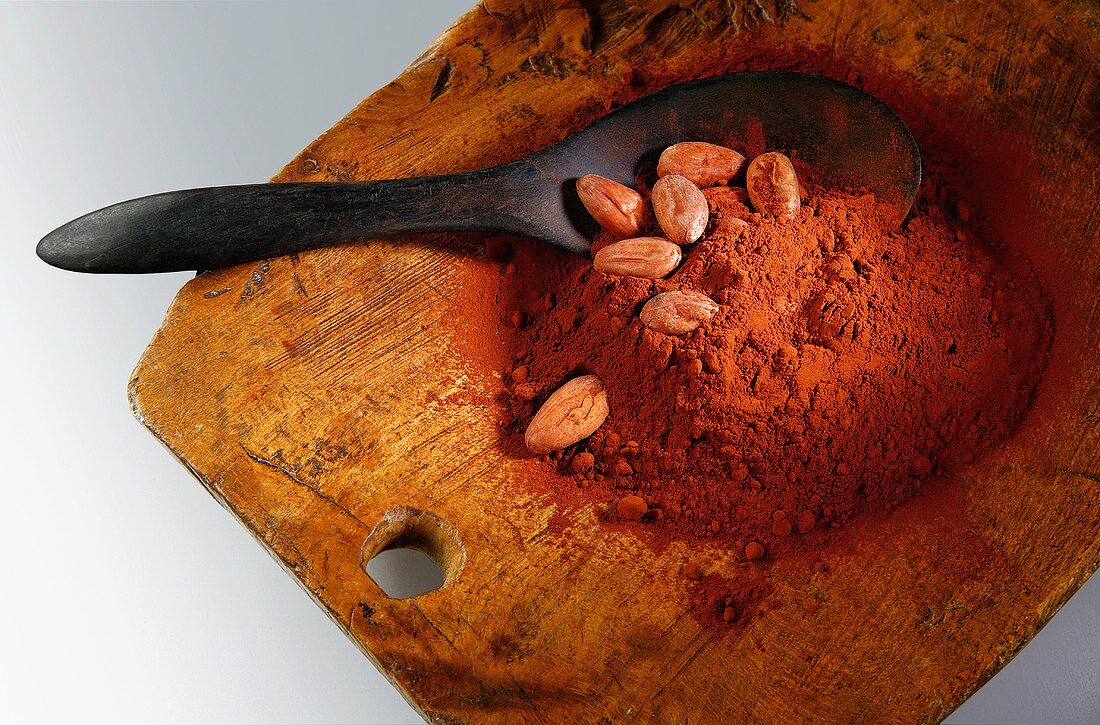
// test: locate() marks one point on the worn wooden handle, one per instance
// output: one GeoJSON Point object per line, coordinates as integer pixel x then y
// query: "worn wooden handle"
{"type": "Point", "coordinates": [201, 229]}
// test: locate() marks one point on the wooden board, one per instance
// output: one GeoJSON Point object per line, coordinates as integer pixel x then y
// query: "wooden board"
{"type": "Point", "coordinates": [325, 396]}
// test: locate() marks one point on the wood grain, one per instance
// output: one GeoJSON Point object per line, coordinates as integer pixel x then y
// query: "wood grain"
{"type": "Point", "coordinates": [326, 400]}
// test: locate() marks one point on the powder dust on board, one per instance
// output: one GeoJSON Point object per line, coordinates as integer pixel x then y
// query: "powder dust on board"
{"type": "Point", "coordinates": [846, 364]}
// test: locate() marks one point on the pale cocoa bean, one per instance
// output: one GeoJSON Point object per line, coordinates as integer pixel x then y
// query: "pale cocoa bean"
{"type": "Point", "coordinates": [680, 208]}
{"type": "Point", "coordinates": [571, 413]}
{"type": "Point", "coordinates": [618, 209]}
{"type": "Point", "coordinates": [645, 257]}
{"type": "Point", "coordinates": [677, 313]}
{"type": "Point", "coordinates": [703, 164]}
{"type": "Point", "coordinates": [773, 185]}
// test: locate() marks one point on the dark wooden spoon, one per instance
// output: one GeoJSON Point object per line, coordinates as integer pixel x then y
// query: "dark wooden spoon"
{"type": "Point", "coordinates": [853, 140]}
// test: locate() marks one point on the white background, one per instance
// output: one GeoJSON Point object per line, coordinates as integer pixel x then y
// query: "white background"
{"type": "Point", "coordinates": [130, 595]}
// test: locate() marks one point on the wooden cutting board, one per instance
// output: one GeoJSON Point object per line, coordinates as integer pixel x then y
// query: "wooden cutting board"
{"type": "Point", "coordinates": [323, 399]}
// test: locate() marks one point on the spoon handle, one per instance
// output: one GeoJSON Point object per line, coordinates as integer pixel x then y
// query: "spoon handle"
{"type": "Point", "coordinates": [199, 229]}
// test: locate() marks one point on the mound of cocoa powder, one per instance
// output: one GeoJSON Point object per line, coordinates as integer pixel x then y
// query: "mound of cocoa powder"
{"type": "Point", "coordinates": [847, 364]}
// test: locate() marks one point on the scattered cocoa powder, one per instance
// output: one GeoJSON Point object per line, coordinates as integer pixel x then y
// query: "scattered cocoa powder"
{"type": "Point", "coordinates": [727, 602]}
{"type": "Point", "coordinates": [806, 522]}
{"type": "Point", "coordinates": [934, 284]}
{"type": "Point", "coordinates": [631, 507]}
{"type": "Point", "coordinates": [847, 362]}
{"type": "Point", "coordinates": [583, 462]}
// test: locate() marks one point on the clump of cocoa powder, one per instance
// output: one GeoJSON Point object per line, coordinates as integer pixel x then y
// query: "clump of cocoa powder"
{"type": "Point", "coordinates": [846, 364]}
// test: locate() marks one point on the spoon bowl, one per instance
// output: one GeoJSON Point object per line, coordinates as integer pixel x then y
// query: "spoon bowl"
{"type": "Point", "coordinates": [852, 140]}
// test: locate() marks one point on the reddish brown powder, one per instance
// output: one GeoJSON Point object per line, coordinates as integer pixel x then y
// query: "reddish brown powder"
{"type": "Point", "coordinates": [981, 153]}
{"type": "Point", "coordinates": [846, 364]}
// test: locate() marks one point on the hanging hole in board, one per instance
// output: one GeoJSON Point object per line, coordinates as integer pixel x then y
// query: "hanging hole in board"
{"type": "Point", "coordinates": [404, 573]}
{"type": "Point", "coordinates": [412, 552]}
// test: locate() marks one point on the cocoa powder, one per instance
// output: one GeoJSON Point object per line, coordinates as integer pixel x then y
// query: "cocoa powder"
{"type": "Point", "coordinates": [846, 364]}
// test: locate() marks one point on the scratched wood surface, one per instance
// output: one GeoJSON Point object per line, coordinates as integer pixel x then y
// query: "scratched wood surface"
{"type": "Point", "coordinates": [327, 396]}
